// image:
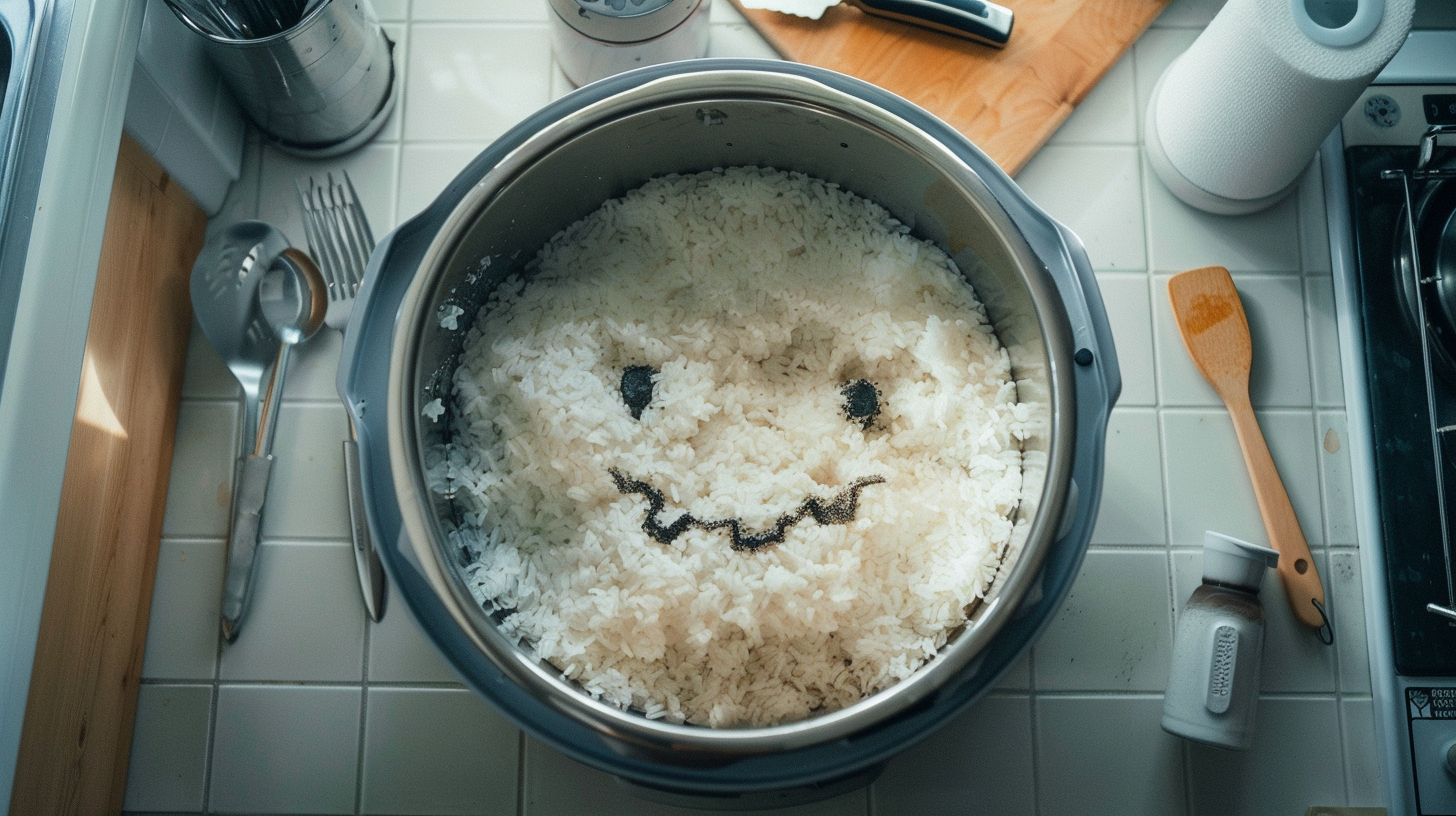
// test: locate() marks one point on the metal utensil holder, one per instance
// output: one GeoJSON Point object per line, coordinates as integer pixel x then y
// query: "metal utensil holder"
{"type": "Point", "coordinates": [319, 89]}
{"type": "Point", "coordinates": [1424, 172]}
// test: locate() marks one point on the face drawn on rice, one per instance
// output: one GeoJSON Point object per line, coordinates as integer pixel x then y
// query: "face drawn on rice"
{"type": "Point", "coordinates": [757, 299]}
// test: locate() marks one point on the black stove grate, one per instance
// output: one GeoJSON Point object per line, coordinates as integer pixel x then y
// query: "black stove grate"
{"type": "Point", "coordinates": [1418, 570]}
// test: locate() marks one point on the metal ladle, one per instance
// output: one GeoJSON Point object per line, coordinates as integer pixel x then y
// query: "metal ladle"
{"type": "Point", "coordinates": [293, 298]}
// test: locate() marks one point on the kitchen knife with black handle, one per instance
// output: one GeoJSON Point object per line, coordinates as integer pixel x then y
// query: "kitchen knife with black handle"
{"type": "Point", "coordinates": [977, 20]}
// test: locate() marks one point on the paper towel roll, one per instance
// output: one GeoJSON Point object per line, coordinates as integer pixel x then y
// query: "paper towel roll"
{"type": "Point", "coordinates": [1235, 119]}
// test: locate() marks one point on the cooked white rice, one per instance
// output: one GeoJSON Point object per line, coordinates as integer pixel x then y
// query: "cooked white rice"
{"type": "Point", "coordinates": [756, 296]}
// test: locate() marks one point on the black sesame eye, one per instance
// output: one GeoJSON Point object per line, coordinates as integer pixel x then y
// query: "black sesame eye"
{"type": "Point", "coordinates": [637, 388]}
{"type": "Point", "coordinates": [861, 402]}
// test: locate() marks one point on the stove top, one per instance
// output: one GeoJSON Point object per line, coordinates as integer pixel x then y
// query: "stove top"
{"type": "Point", "coordinates": [1397, 313]}
{"type": "Point", "coordinates": [1405, 415]}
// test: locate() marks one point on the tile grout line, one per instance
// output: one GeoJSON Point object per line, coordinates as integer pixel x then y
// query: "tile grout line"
{"type": "Point", "coordinates": [1034, 719]}
{"type": "Point", "coordinates": [364, 687]}
{"type": "Point", "coordinates": [477, 22]}
{"type": "Point", "coordinates": [1146, 694]}
{"type": "Point", "coordinates": [520, 772]}
{"type": "Point", "coordinates": [211, 754]}
{"type": "Point", "coordinates": [363, 720]}
{"type": "Point", "coordinates": [1145, 188]}
{"type": "Point", "coordinates": [1185, 752]}
{"type": "Point", "coordinates": [401, 109]}
{"type": "Point", "coordinates": [1271, 410]}
{"type": "Point", "coordinates": [407, 44]}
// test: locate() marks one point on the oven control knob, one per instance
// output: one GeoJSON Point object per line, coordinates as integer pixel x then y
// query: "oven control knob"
{"type": "Point", "coordinates": [1451, 759]}
{"type": "Point", "coordinates": [1382, 111]}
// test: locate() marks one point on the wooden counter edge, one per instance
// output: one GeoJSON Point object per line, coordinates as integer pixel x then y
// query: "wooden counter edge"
{"type": "Point", "coordinates": [76, 739]}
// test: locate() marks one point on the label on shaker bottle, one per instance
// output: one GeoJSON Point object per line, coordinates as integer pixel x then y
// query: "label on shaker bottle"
{"type": "Point", "coordinates": [1221, 672]}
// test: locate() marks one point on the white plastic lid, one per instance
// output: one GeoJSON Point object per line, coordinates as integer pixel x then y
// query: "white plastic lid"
{"type": "Point", "coordinates": [624, 21]}
{"type": "Point", "coordinates": [1238, 563]}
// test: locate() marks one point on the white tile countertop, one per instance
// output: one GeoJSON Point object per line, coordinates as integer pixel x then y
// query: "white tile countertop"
{"type": "Point", "coordinates": [316, 710]}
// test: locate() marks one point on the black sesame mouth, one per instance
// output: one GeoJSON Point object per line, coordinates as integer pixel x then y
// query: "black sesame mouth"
{"type": "Point", "coordinates": [840, 509]}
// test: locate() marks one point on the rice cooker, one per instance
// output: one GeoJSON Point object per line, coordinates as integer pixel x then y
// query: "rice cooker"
{"type": "Point", "coordinates": [1031, 273]}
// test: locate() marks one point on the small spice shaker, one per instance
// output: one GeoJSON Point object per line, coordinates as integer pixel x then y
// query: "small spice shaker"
{"type": "Point", "coordinates": [1214, 683]}
{"type": "Point", "coordinates": [595, 39]}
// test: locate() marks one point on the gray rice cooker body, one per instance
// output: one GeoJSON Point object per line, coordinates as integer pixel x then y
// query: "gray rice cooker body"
{"type": "Point", "coordinates": [686, 117]}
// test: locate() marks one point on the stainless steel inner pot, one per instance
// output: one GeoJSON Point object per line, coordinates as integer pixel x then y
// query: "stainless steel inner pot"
{"type": "Point", "coordinates": [1030, 273]}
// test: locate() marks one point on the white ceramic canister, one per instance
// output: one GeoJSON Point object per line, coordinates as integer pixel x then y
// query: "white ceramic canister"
{"type": "Point", "coordinates": [595, 39]}
{"type": "Point", "coordinates": [1213, 686]}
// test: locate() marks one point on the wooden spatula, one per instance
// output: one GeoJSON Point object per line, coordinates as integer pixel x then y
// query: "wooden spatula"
{"type": "Point", "coordinates": [1211, 319]}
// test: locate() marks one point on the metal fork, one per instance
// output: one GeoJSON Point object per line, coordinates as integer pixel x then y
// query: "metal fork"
{"type": "Point", "coordinates": [340, 240]}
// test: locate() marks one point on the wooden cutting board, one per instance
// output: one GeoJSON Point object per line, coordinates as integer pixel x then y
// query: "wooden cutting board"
{"type": "Point", "coordinates": [76, 738]}
{"type": "Point", "coordinates": [1007, 101]}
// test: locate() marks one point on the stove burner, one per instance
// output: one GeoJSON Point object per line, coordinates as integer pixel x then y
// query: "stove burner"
{"type": "Point", "coordinates": [1435, 229]}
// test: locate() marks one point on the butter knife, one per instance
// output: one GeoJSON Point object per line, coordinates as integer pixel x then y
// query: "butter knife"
{"type": "Point", "coordinates": [339, 236]}
{"type": "Point", "coordinates": [976, 20]}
